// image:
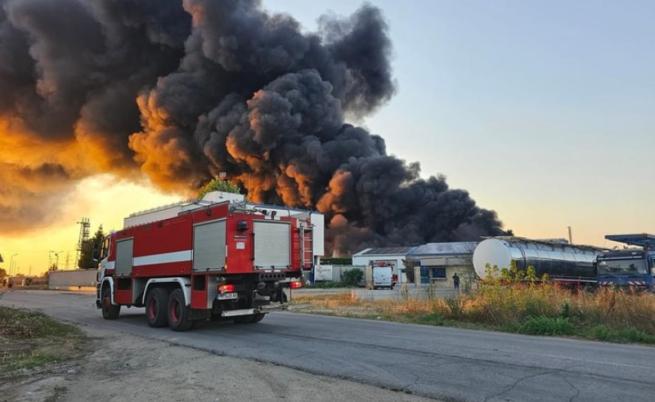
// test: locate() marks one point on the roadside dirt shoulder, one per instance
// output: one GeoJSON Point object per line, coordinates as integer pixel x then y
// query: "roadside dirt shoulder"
{"type": "Point", "coordinates": [123, 367]}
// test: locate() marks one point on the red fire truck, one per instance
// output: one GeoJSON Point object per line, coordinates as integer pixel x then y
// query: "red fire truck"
{"type": "Point", "coordinates": [215, 258]}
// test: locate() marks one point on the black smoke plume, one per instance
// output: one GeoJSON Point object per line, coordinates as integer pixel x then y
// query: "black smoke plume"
{"type": "Point", "coordinates": [183, 90]}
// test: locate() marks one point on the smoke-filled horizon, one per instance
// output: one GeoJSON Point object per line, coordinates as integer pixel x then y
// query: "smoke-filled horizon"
{"type": "Point", "coordinates": [180, 91]}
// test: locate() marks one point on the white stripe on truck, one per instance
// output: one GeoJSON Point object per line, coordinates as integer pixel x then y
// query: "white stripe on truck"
{"type": "Point", "coordinates": [176, 256]}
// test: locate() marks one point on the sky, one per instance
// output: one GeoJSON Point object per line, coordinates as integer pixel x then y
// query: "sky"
{"type": "Point", "coordinates": [543, 111]}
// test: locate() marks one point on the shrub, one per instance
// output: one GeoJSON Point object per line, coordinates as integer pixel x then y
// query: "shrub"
{"type": "Point", "coordinates": [456, 306]}
{"type": "Point", "coordinates": [352, 277]}
{"type": "Point", "coordinates": [565, 310]}
{"type": "Point", "coordinates": [542, 325]}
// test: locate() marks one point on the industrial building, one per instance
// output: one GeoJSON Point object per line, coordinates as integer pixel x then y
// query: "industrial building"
{"type": "Point", "coordinates": [394, 256]}
{"type": "Point", "coordinates": [431, 263]}
{"type": "Point", "coordinates": [436, 263]}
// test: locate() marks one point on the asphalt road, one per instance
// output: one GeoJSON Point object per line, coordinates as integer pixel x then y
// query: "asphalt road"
{"type": "Point", "coordinates": [438, 362]}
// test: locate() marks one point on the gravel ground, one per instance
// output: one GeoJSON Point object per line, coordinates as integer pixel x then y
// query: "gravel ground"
{"type": "Point", "coordinates": [122, 367]}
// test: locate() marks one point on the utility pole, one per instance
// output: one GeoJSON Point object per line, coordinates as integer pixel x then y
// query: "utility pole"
{"type": "Point", "coordinates": [85, 225]}
{"type": "Point", "coordinates": [54, 267]}
{"type": "Point", "coordinates": [57, 260]}
{"type": "Point", "coordinates": [11, 263]}
{"type": "Point", "coordinates": [570, 235]}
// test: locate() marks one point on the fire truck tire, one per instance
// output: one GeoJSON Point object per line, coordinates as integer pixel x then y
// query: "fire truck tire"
{"type": "Point", "coordinates": [156, 307]}
{"type": "Point", "coordinates": [249, 319]}
{"type": "Point", "coordinates": [109, 311]}
{"type": "Point", "coordinates": [179, 314]}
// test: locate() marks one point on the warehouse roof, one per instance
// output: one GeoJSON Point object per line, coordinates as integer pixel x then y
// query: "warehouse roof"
{"type": "Point", "coordinates": [452, 248]}
{"type": "Point", "coordinates": [384, 251]}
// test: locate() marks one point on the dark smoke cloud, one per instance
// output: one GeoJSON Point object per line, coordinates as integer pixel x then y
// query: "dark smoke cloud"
{"type": "Point", "coordinates": [69, 74]}
{"type": "Point", "coordinates": [183, 90]}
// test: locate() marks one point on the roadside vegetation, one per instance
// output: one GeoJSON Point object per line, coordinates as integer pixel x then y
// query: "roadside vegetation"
{"type": "Point", "coordinates": [329, 285]}
{"type": "Point", "coordinates": [30, 340]}
{"type": "Point", "coordinates": [513, 303]}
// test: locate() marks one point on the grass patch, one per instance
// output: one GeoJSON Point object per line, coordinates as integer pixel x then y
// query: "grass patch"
{"type": "Point", "coordinates": [527, 308]}
{"type": "Point", "coordinates": [19, 323]}
{"type": "Point", "coordinates": [429, 319]}
{"type": "Point", "coordinates": [624, 335]}
{"type": "Point", "coordinates": [30, 340]}
{"type": "Point", "coordinates": [546, 326]}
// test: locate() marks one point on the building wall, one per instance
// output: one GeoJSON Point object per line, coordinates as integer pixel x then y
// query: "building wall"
{"type": "Point", "coordinates": [337, 271]}
{"type": "Point", "coordinates": [68, 279]}
{"type": "Point", "coordinates": [462, 265]}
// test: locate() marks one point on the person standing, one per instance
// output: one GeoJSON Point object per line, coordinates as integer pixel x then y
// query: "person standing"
{"type": "Point", "coordinates": [456, 281]}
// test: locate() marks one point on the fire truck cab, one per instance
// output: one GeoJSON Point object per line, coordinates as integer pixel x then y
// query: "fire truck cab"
{"type": "Point", "coordinates": [214, 258]}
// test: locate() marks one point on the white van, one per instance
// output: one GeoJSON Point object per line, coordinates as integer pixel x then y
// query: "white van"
{"type": "Point", "coordinates": [383, 277]}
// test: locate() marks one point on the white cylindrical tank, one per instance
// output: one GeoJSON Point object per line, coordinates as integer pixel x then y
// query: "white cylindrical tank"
{"type": "Point", "coordinates": [559, 261]}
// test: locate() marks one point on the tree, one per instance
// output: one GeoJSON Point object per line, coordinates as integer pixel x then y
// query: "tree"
{"type": "Point", "coordinates": [91, 250]}
{"type": "Point", "coordinates": [352, 277]}
{"type": "Point", "coordinates": [219, 185]}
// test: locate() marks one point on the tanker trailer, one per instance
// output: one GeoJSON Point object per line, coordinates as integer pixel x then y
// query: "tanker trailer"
{"type": "Point", "coordinates": [559, 260]}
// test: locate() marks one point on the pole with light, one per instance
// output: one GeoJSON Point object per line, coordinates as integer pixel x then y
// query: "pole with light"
{"type": "Point", "coordinates": [11, 263]}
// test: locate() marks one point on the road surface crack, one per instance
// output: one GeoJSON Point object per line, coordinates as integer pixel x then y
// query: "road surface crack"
{"type": "Point", "coordinates": [511, 387]}
{"type": "Point", "coordinates": [577, 390]}
{"type": "Point", "coordinates": [558, 371]}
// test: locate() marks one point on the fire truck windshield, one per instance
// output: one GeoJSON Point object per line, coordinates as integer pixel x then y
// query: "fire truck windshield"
{"type": "Point", "coordinates": [622, 267]}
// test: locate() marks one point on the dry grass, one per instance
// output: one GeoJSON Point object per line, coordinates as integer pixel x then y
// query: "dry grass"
{"type": "Point", "coordinates": [547, 309]}
{"type": "Point", "coordinates": [29, 340]}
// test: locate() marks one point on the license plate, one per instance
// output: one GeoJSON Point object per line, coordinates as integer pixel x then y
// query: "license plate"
{"type": "Point", "coordinates": [228, 296]}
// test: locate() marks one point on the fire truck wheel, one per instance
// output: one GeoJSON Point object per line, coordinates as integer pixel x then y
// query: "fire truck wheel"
{"type": "Point", "coordinates": [249, 319]}
{"type": "Point", "coordinates": [179, 314]}
{"type": "Point", "coordinates": [156, 305]}
{"type": "Point", "coordinates": [109, 311]}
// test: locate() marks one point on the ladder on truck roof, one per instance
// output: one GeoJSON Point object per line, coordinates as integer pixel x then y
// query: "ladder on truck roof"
{"type": "Point", "coordinates": [645, 240]}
